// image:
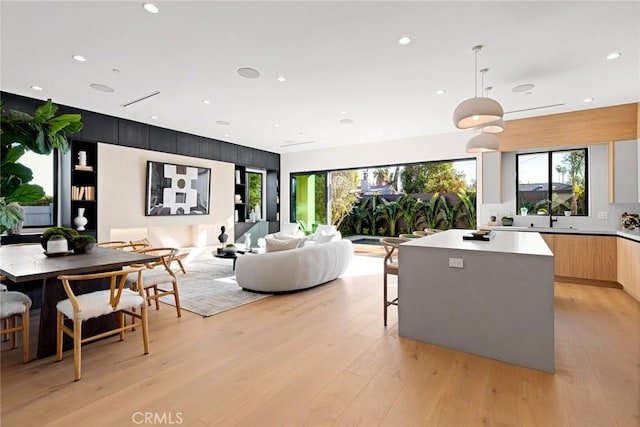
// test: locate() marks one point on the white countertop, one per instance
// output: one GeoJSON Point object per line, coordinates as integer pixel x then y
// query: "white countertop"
{"type": "Point", "coordinates": [629, 234]}
{"type": "Point", "coordinates": [504, 242]}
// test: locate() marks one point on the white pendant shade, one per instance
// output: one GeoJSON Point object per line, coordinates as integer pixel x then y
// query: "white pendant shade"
{"type": "Point", "coordinates": [494, 127]}
{"type": "Point", "coordinates": [477, 111]}
{"type": "Point", "coordinates": [482, 143]}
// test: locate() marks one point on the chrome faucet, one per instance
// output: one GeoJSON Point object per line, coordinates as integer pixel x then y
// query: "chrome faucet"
{"type": "Point", "coordinates": [551, 220]}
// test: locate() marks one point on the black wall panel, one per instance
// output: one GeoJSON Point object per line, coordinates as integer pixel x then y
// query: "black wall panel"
{"type": "Point", "coordinates": [210, 149]}
{"type": "Point", "coordinates": [228, 152]}
{"type": "Point", "coordinates": [99, 128]}
{"type": "Point", "coordinates": [245, 156]}
{"type": "Point", "coordinates": [133, 134]}
{"type": "Point", "coordinates": [273, 161]}
{"type": "Point", "coordinates": [161, 139]}
{"type": "Point", "coordinates": [188, 145]}
{"type": "Point", "coordinates": [259, 159]}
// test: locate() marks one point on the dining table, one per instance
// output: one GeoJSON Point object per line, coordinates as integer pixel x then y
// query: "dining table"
{"type": "Point", "coordinates": [28, 263]}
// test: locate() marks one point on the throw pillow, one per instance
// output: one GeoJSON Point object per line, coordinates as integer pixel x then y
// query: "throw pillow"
{"type": "Point", "coordinates": [289, 229]}
{"type": "Point", "coordinates": [275, 245]}
{"type": "Point", "coordinates": [324, 238]}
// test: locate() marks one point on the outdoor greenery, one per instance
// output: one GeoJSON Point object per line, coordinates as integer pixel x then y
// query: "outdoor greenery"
{"type": "Point", "coordinates": [441, 177]}
{"type": "Point", "coordinates": [255, 189]}
{"type": "Point", "coordinates": [21, 132]}
{"type": "Point", "coordinates": [381, 216]}
{"type": "Point", "coordinates": [344, 194]}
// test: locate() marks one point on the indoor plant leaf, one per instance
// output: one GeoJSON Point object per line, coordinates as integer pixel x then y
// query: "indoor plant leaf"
{"type": "Point", "coordinates": [25, 193]}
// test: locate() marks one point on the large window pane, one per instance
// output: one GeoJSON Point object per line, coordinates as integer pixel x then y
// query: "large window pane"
{"type": "Point", "coordinates": [568, 191]}
{"type": "Point", "coordinates": [40, 213]}
{"type": "Point", "coordinates": [309, 200]}
{"type": "Point", "coordinates": [559, 177]}
{"type": "Point", "coordinates": [533, 182]}
{"type": "Point", "coordinates": [255, 181]}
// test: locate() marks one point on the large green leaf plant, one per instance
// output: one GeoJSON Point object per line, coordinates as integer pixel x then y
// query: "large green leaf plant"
{"type": "Point", "coordinates": [21, 132]}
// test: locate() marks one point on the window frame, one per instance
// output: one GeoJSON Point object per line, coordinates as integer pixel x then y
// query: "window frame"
{"type": "Point", "coordinates": [549, 154]}
{"type": "Point", "coordinates": [55, 159]}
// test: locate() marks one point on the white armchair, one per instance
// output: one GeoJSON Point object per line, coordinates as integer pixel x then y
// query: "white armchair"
{"type": "Point", "coordinates": [324, 233]}
{"type": "Point", "coordinates": [288, 230]}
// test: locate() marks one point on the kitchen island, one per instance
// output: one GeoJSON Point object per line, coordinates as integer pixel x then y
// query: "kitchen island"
{"type": "Point", "coordinates": [490, 298]}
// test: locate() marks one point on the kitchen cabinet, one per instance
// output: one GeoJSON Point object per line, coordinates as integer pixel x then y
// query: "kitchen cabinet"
{"type": "Point", "coordinates": [550, 240]}
{"type": "Point", "coordinates": [628, 270]}
{"type": "Point", "coordinates": [492, 177]}
{"type": "Point", "coordinates": [586, 257]}
{"type": "Point", "coordinates": [623, 172]}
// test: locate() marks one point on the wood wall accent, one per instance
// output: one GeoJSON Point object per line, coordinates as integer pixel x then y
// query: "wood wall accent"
{"type": "Point", "coordinates": [628, 266]}
{"type": "Point", "coordinates": [578, 128]}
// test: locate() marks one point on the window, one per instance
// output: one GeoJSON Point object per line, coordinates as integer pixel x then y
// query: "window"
{"type": "Point", "coordinates": [40, 213]}
{"type": "Point", "coordinates": [555, 180]}
{"type": "Point", "coordinates": [309, 200]}
{"type": "Point", "coordinates": [256, 194]}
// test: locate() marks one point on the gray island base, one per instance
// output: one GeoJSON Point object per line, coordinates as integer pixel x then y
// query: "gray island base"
{"type": "Point", "coordinates": [499, 304]}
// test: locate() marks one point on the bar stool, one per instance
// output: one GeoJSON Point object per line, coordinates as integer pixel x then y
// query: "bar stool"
{"type": "Point", "coordinates": [390, 267]}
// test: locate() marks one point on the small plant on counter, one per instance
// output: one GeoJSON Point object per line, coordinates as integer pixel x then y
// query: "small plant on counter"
{"type": "Point", "coordinates": [66, 232]}
{"type": "Point", "coordinates": [507, 220]}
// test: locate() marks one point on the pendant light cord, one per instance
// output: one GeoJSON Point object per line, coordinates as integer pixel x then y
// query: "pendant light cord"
{"type": "Point", "coordinates": [476, 73]}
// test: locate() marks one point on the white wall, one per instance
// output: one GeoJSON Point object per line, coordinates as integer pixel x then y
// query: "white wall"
{"type": "Point", "coordinates": [121, 200]}
{"type": "Point", "coordinates": [451, 146]}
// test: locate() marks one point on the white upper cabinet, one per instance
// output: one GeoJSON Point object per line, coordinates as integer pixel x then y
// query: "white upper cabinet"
{"type": "Point", "coordinates": [624, 180]}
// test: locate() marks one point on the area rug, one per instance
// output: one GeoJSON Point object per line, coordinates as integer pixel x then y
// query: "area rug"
{"type": "Point", "coordinates": [209, 288]}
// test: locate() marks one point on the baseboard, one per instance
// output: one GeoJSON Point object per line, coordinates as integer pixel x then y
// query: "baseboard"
{"type": "Point", "coordinates": [592, 282]}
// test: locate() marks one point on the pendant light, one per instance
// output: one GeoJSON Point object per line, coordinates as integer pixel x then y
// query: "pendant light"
{"type": "Point", "coordinates": [498, 125]}
{"type": "Point", "coordinates": [476, 111]}
{"type": "Point", "coordinates": [482, 143]}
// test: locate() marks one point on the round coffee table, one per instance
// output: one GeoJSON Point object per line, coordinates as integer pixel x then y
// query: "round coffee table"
{"type": "Point", "coordinates": [227, 255]}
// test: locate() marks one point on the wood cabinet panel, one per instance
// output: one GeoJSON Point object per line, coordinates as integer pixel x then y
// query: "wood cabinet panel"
{"type": "Point", "coordinates": [586, 257]}
{"type": "Point", "coordinates": [629, 266]}
{"type": "Point", "coordinates": [550, 240]}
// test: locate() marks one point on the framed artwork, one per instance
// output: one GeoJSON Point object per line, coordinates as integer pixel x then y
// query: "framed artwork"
{"type": "Point", "coordinates": [177, 189]}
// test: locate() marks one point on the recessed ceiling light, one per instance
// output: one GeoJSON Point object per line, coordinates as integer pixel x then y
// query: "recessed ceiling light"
{"type": "Point", "coordinates": [346, 121]}
{"type": "Point", "coordinates": [222, 122]}
{"type": "Point", "coordinates": [588, 99]}
{"type": "Point", "coordinates": [441, 91]}
{"type": "Point", "coordinates": [102, 88]}
{"type": "Point", "coordinates": [404, 40]}
{"type": "Point", "coordinates": [154, 117]}
{"type": "Point", "coordinates": [281, 78]}
{"type": "Point", "coordinates": [276, 125]}
{"type": "Point", "coordinates": [614, 55]}
{"type": "Point", "coordinates": [523, 88]}
{"type": "Point", "coordinates": [226, 135]}
{"type": "Point", "coordinates": [36, 88]}
{"type": "Point", "coordinates": [150, 7]}
{"type": "Point", "coordinates": [249, 73]}
{"type": "Point", "coordinates": [79, 58]}
{"type": "Point", "coordinates": [206, 101]}
{"type": "Point", "coordinates": [343, 112]}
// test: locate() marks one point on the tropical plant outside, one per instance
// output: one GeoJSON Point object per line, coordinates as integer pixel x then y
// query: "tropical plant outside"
{"type": "Point", "coordinates": [21, 132]}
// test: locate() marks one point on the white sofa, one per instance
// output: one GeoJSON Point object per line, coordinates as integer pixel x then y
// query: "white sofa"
{"type": "Point", "coordinates": [293, 269]}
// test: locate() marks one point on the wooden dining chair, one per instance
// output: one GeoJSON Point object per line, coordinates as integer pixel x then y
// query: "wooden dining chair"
{"type": "Point", "coordinates": [15, 306]}
{"type": "Point", "coordinates": [116, 299]}
{"type": "Point", "coordinates": [390, 267]}
{"type": "Point", "coordinates": [157, 273]}
{"type": "Point", "coordinates": [112, 244]}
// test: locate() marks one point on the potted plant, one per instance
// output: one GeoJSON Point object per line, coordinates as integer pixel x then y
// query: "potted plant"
{"type": "Point", "coordinates": [230, 248]}
{"type": "Point", "coordinates": [507, 220]}
{"type": "Point", "coordinates": [65, 232]}
{"type": "Point", "coordinates": [21, 132]}
{"type": "Point", "coordinates": [82, 243]}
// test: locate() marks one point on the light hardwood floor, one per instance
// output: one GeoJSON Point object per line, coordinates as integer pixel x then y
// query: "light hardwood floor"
{"type": "Point", "coordinates": [323, 357]}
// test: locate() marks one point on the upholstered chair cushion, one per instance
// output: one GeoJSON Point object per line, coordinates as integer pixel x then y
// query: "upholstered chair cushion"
{"type": "Point", "coordinates": [324, 238]}
{"type": "Point", "coordinates": [12, 303]}
{"type": "Point", "coordinates": [96, 304]}
{"type": "Point", "coordinates": [151, 277]}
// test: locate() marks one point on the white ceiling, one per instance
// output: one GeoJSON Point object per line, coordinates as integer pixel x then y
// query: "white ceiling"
{"type": "Point", "coordinates": [336, 56]}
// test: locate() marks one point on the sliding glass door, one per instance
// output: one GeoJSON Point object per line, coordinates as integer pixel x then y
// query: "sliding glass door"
{"type": "Point", "coordinates": [309, 200]}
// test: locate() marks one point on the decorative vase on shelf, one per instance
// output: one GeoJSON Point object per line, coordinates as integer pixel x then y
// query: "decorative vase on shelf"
{"type": "Point", "coordinates": [80, 221]}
